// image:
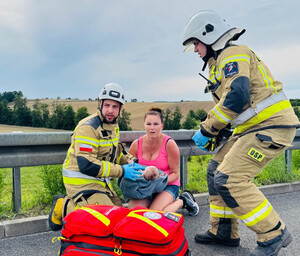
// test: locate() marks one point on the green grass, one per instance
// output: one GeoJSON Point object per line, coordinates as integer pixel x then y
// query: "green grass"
{"type": "Point", "coordinates": [34, 196]}
{"type": "Point", "coordinates": [39, 184]}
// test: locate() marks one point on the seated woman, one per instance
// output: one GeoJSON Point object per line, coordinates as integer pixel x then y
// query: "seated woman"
{"type": "Point", "coordinates": [157, 150]}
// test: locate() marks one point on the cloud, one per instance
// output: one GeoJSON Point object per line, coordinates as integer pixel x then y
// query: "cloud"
{"type": "Point", "coordinates": [72, 48]}
{"type": "Point", "coordinates": [177, 88]}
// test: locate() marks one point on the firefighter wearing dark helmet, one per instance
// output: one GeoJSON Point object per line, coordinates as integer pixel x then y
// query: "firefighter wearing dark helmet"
{"type": "Point", "coordinates": [249, 98]}
{"type": "Point", "coordinates": [94, 158]}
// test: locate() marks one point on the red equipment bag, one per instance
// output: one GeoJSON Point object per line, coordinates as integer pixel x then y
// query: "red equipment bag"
{"type": "Point", "coordinates": [113, 230]}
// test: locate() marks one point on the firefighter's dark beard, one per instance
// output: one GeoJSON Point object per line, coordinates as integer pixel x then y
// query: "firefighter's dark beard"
{"type": "Point", "coordinates": [109, 122]}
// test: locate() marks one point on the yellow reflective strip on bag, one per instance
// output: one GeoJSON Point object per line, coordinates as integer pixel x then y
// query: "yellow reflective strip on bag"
{"type": "Point", "coordinates": [149, 222]}
{"type": "Point", "coordinates": [263, 115]}
{"type": "Point", "coordinates": [97, 215]}
{"type": "Point", "coordinates": [257, 214]}
{"type": "Point", "coordinates": [81, 181]}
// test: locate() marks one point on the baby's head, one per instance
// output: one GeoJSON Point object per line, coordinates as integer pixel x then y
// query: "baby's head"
{"type": "Point", "coordinates": [151, 173]}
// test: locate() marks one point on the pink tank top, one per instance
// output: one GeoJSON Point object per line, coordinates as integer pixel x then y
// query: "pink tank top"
{"type": "Point", "coordinates": [160, 162]}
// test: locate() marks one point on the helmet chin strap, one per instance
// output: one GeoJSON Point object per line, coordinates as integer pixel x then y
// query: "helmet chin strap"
{"type": "Point", "coordinates": [209, 53]}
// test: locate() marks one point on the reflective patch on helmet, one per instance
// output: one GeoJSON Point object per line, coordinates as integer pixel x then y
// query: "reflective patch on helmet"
{"type": "Point", "coordinates": [231, 69]}
{"type": "Point", "coordinates": [255, 154]}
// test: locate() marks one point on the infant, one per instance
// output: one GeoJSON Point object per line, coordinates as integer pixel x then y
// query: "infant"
{"type": "Point", "coordinates": [151, 173]}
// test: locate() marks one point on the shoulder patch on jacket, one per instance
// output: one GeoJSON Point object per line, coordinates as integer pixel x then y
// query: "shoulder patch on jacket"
{"type": "Point", "coordinates": [231, 69]}
{"type": "Point", "coordinates": [95, 122]}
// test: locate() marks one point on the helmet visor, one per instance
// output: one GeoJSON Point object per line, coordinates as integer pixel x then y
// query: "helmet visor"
{"type": "Point", "coordinates": [189, 46]}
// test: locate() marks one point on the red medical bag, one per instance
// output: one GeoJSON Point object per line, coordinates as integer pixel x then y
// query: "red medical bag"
{"type": "Point", "coordinates": [113, 230]}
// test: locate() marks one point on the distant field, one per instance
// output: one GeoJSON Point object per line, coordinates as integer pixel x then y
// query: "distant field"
{"type": "Point", "coordinates": [14, 128]}
{"type": "Point", "coordinates": [137, 109]}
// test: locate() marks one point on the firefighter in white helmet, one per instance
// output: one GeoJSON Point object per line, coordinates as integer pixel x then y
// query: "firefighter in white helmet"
{"type": "Point", "coordinates": [94, 158]}
{"type": "Point", "coordinates": [249, 98]}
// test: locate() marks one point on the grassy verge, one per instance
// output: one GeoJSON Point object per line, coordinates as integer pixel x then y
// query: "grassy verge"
{"type": "Point", "coordinates": [40, 184]}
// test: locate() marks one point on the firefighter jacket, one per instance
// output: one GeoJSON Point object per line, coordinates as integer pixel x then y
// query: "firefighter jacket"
{"type": "Point", "coordinates": [243, 82]}
{"type": "Point", "coordinates": [94, 156]}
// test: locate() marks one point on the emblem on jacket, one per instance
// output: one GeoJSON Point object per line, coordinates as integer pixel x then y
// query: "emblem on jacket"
{"type": "Point", "coordinates": [231, 69]}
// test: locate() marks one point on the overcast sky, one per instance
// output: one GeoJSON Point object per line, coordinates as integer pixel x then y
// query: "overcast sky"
{"type": "Point", "coordinates": [71, 48]}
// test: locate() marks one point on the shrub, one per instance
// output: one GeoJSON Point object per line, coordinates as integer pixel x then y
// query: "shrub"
{"type": "Point", "coordinates": [53, 182]}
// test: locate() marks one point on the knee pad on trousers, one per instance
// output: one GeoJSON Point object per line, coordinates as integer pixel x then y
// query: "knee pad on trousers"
{"type": "Point", "coordinates": [220, 180]}
{"type": "Point", "coordinates": [211, 168]}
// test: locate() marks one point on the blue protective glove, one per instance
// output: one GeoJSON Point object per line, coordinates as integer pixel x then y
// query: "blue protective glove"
{"type": "Point", "coordinates": [131, 172]}
{"type": "Point", "coordinates": [200, 140]}
{"type": "Point", "coordinates": [139, 166]}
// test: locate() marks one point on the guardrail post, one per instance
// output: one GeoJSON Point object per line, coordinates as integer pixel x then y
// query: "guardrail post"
{"type": "Point", "coordinates": [288, 159]}
{"type": "Point", "coordinates": [183, 172]}
{"type": "Point", "coordinates": [16, 173]}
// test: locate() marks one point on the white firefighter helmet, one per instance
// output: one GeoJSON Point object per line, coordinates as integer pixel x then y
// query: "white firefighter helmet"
{"type": "Point", "coordinates": [210, 29]}
{"type": "Point", "coordinates": [112, 91]}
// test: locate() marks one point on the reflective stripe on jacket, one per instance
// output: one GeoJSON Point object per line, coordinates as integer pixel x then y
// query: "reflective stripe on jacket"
{"type": "Point", "coordinates": [244, 82]}
{"type": "Point", "coordinates": [94, 156]}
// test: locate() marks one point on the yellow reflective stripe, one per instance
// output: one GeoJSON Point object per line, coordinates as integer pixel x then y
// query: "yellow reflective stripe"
{"type": "Point", "coordinates": [87, 140]}
{"type": "Point", "coordinates": [106, 169]}
{"type": "Point", "coordinates": [257, 214]}
{"type": "Point", "coordinates": [222, 212]}
{"type": "Point", "coordinates": [81, 181]}
{"type": "Point", "coordinates": [263, 115]}
{"type": "Point", "coordinates": [108, 143]}
{"type": "Point", "coordinates": [269, 82]}
{"type": "Point", "coordinates": [149, 222]}
{"type": "Point", "coordinates": [241, 57]}
{"type": "Point", "coordinates": [220, 115]}
{"type": "Point", "coordinates": [215, 75]}
{"type": "Point", "coordinates": [97, 215]}
{"type": "Point", "coordinates": [71, 150]}
{"type": "Point", "coordinates": [119, 158]}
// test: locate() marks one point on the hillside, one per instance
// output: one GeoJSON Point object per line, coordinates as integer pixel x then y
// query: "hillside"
{"type": "Point", "coordinates": [136, 109]}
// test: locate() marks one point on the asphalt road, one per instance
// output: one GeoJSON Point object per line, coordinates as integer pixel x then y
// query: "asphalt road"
{"type": "Point", "coordinates": [287, 205]}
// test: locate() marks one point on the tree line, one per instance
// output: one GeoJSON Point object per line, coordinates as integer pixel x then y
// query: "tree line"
{"type": "Point", "coordinates": [64, 117]}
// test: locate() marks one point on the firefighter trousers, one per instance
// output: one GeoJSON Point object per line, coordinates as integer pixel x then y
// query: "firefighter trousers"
{"type": "Point", "coordinates": [233, 195]}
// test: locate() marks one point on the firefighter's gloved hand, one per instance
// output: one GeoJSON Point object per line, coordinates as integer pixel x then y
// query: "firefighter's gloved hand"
{"type": "Point", "coordinates": [139, 166]}
{"type": "Point", "coordinates": [131, 172]}
{"type": "Point", "coordinates": [200, 140]}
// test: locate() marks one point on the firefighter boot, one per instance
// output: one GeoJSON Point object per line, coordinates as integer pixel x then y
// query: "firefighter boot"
{"type": "Point", "coordinates": [272, 247]}
{"type": "Point", "coordinates": [189, 203]}
{"type": "Point", "coordinates": [222, 236]}
{"type": "Point", "coordinates": [55, 216]}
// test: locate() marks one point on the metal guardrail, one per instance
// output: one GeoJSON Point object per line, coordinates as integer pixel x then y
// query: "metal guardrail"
{"type": "Point", "coordinates": [34, 149]}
